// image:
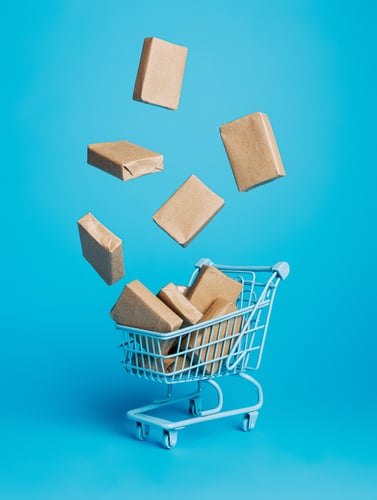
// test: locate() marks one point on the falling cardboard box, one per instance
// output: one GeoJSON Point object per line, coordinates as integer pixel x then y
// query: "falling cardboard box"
{"type": "Point", "coordinates": [160, 74]}
{"type": "Point", "coordinates": [215, 341]}
{"type": "Point", "coordinates": [188, 210]}
{"type": "Point", "coordinates": [124, 160]}
{"type": "Point", "coordinates": [252, 150]}
{"type": "Point", "coordinates": [212, 284]}
{"type": "Point", "coordinates": [173, 298]}
{"type": "Point", "coordinates": [137, 307]}
{"type": "Point", "coordinates": [101, 248]}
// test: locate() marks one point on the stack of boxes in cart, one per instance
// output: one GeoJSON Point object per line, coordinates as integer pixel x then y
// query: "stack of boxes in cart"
{"type": "Point", "coordinates": [254, 158]}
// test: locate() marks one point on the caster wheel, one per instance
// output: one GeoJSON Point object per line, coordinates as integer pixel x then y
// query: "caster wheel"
{"type": "Point", "coordinates": [169, 439]}
{"type": "Point", "coordinates": [142, 431]}
{"type": "Point", "coordinates": [195, 407]}
{"type": "Point", "coordinates": [249, 420]}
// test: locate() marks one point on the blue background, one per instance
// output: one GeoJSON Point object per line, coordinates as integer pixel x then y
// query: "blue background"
{"type": "Point", "coordinates": [68, 72]}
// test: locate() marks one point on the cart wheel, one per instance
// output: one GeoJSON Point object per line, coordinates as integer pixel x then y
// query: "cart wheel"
{"type": "Point", "coordinates": [249, 420]}
{"type": "Point", "coordinates": [195, 407]}
{"type": "Point", "coordinates": [142, 431]}
{"type": "Point", "coordinates": [169, 439]}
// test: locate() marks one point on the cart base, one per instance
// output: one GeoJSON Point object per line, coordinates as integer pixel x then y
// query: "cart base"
{"type": "Point", "coordinates": [170, 428]}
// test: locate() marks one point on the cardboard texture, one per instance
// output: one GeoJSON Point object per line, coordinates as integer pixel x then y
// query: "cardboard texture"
{"type": "Point", "coordinates": [101, 248]}
{"type": "Point", "coordinates": [177, 363]}
{"type": "Point", "coordinates": [124, 160]}
{"type": "Point", "coordinates": [222, 334]}
{"type": "Point", "coordinates": [137, 307]}
{"type": "Point", "coordinates": [157, 364]}
{"type": "Point", "coordinates": [188, 210]}
{"type": "Point", "coordinates": [252, 150]}
{"type": "Point", "coordinates": [212, 284]}
{"type": "Point", "coordinates": [173, 298]}
{"type": "Point", "coordinates": [183, 289]}
{"type": "Point", "coordinates": [160, 74]}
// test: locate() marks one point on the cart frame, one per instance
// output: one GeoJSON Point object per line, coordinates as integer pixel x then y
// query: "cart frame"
{"type": "Point", "coordinates": [232, 344]}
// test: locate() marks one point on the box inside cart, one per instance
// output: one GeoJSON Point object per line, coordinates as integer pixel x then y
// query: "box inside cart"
{"type": "Point", "coordinates": [138, 307]}
{"type": "Point", "coordinates": [212, 284]}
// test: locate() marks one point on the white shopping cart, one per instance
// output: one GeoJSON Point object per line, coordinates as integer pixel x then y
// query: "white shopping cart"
{"type": "Point", "coordinates": [230, 345]}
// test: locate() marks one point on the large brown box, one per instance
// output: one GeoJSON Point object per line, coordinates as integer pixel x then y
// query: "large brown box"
{"type": "Point", "coordinates": [124, 159]}
{"type": "Point", "coordinates": [252, 150]}
{"type": "Point", "coordinates": [188, 210]}
{"type": "Point", "coordinates": [138, 307]}
{"type": "Point", "coordinates": [222, 334]}
{"type": "Point", "coordinates": [212, 284]}
{"type": "Point", "coordinates": [160, 74]}
{"type": "Point", "coordinates": [101, 248]}
{"type": "Point", "coordinates": [173, 298]}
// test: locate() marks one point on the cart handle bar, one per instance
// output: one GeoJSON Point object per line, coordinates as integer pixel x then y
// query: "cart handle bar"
{"type": "Point", "coordinates": [281, 268]}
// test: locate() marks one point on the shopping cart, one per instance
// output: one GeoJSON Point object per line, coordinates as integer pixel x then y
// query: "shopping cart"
{"type": "Point", "coordinates": [230, 345]}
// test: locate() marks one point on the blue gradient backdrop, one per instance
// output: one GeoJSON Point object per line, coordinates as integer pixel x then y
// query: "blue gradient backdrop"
{"type": "Point", "coordinates": [68, 70]}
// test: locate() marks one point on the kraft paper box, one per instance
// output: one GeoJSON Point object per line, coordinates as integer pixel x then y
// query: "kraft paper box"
{"type": "Point", "coordinates": [124, 160]}
{"type": "Point", "coordinates": [188, 210]}
{"type": "Point", "coordinates": [160, 74]}
{"type": "Point", "coordinates": [156, 364]}
{"type": "Point", "coordinates": [212, 284]}
{"type": "Point", "coordinates": [252, 150]}
{"type": "Point", "coordinates": [173, 298]}
{"type": "Point", "coordinates": [223, 334]}
{"type": "Point", "coordinates": [101, 248]}
{"type": "Point", "coordinates": [138, 307]}
{"type": "Point", "coordinates": [183, 289]}
{"type": "Point", "coordinates": [177, 364]}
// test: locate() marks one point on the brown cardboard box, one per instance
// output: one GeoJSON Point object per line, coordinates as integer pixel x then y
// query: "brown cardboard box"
{"type": "Point", "coordinates": [157, 364]}
{"type": "Point", "coordinates": [222, 334]}
{"type": "Point", "coordinates": [160, 74]}
{"type": "Point", "coordinates": [188, 210]}
{"type": "Point", "coordinates": [137, 307]}
{"type": "Point", "coordinates": [183, 289]}
{"type": "Point", "coordinates": [252, 150]}
{"type": "Point", "coordinates": [212, 284]}
{"type": "Point", "coordinates": [101, 248]}
{"type": "Point", "coordinates": [173, 298]}
{"type": "Point", "coordinates": [178, 363]}
{"type": "Point", "coordinates": [124, 160]}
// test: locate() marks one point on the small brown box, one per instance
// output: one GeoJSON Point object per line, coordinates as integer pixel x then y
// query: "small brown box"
{"type": "Point", "coordinates": [221, 334]}
{"type": "Point", "coordinates": [148, 362]}
{"type": "Point", "coordinates": [212, 284]}
{"type": "Point", "coordinates": [252, 150]}
{"type": "Point", "coordinates": [188, 210]}
{"type": "Point", "coordinates": [178, 363]}
{"type": "Point", "coordinates": [101, 248]}
{"type": "Point", "coordinates": [138, 307]}
{"type": "Point", "coordinates": [160, 74]}
{"type": "Point", "coordinates": [173, 298]}
{"type": "Point", "coordinates": [124, 160]}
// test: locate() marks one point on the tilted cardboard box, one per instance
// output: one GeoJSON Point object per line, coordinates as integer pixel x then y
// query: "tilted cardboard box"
{"type": "Point", "coordinates": [124, 160]}
{"type": "Point", "coordinates": [160, 74]}
{"type": "Point", "coordinates": [173, 298]}
{"type": "Point", "coordinates": [147, 362]}
{"type": "Point", "coordinates": [219, 337]}
{"type": "Point", "coordinates": [212, 284]}
{"type": "Point", "coordinates": [138, 307]}
{"type": "Point", "coordinates": [101, 248]}
{"type": "Point", "coordinates": [188, 210]}
{"type": "Point", "coordinates": [178, 363]}
{"type": "Point", "coordinates": [252, 150]}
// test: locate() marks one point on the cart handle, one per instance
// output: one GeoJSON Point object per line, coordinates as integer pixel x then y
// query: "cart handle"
{"type": "Point", "coordinates": [281, 268]}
